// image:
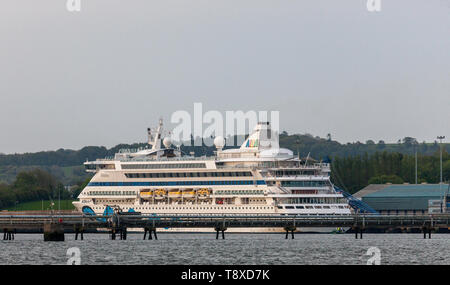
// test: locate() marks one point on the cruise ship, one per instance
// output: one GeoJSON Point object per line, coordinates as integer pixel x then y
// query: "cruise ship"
{"type": "Point", "coordinates": [258, 178]}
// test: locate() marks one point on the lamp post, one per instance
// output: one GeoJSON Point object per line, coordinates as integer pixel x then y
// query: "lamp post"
{"type": "Point", "coordinates": [415, 161]}
{"type": "Point", "coordinates": [440, 138]}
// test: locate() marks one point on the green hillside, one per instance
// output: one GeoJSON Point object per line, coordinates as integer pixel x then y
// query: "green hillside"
{"type": "Point", "coordinates": [354, 164]}
{"type": "Point", "coordinates": [42, 205]}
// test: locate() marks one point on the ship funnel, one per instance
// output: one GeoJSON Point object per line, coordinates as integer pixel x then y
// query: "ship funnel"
{"type": "Point", "coordinates": [262, 137]}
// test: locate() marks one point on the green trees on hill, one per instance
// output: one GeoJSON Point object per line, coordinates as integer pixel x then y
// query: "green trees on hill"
{"type": "Point", "coordinates": [32, 186]}
{"type": "Point", "coordinates": [354, 164]}
{"type": "Point", "coordinates": [355, 172]}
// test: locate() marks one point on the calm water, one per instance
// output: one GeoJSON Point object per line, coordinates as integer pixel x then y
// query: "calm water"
{"type": "Point", "coordinates": [235, 249]}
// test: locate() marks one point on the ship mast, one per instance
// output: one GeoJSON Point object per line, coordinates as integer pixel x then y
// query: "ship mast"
{"type": "Point", "coordinates": [157, 139]}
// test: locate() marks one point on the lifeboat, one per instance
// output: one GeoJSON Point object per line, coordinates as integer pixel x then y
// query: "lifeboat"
{"type": "Point", "coordinates": [175, 194]}
{"type": "Point", "coordinates": [160, 193]}
{"type": "Point", "coordinates": [146, 194]}
{"type": "Point", "coordinates": [203, 193]}
{"type": "Point", "coordinates": [190, 193]}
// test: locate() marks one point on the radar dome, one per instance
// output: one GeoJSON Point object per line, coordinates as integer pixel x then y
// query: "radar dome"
{"type": "Point", "coordinates": [167, 142]}
{"type": "Point", "coordinates": [219, 142]}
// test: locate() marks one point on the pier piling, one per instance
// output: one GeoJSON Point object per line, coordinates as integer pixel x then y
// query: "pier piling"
{"type": "Point", "coordinates": [8, 234]}
{"type": "Point", "coordinates": [123, 234]}
{"type": "Point", "coordinates": [291, 229]}
{"type": "Point", "coordinates": [220, 229]}
{"type": "Point", "coordinates": [358, 230]}
{"type": "Point", "coordinates": [426, 230]}
{"type": "Point", "coordinates": [79, 232]}
{"type": "Point", "coordinates": [113, 234]}
{"type": "Point", "coordinates": [53, 232]}
{"type": "Point", "coordinates": [150, 231]}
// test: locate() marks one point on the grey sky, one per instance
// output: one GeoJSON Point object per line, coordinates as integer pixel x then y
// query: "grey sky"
{"type": "Point", "coordinates": [101, 76]}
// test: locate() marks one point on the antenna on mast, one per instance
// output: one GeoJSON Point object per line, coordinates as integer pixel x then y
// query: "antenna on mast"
{"type": "Point", "coordinates": [307, 158]}
{"type": "Point", "coordinates": [149, 133]}
{"type": "Point", "coordinates": [157, 139]}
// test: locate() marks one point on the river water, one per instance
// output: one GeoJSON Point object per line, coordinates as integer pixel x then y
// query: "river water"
{"type": "Point", "coordinates": [236, 249]}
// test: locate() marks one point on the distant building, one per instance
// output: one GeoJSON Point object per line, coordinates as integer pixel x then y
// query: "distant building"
{"type": "Point", "coordinates": [406, 199]}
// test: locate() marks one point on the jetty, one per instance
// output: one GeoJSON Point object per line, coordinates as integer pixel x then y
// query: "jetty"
{"type": "Point", "coordinates": [55, 226]}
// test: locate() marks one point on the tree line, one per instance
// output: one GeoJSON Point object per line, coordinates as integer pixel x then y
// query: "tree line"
{"type": "Point", "coordinates": [353, 173]}
{"type": "Point", "coordinates": [36, 185]}
{"type": "Point", "coordinates": [303, 143]}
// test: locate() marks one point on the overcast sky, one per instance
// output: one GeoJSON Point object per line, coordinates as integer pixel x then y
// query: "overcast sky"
{"type": "Point", "coordinates": [102, 75]}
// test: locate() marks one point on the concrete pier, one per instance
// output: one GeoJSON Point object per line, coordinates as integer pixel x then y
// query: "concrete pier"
{"type": "Point", "coordinates": [54, 226]}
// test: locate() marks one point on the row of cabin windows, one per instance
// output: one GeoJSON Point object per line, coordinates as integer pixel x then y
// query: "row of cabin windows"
{"type": "Point", "coordinates": [294, 172]}
{"type": "Point", "coordinates": [304, 183]}
{"type": "Point", "coordinates": [114, 193]}
{"type": "Point", "coordinates": [309, 200]}
{"type": "Point", "coordinates": [163, 166]}
{"type": "Point", "coordinates": [187, 174]}
{"type": "Point", "coordinates": [178, 183]}
{"type": "Point", "coordinates": [196, 208]}
{"type": "Point", "coordinates": [99, 166]}
{"type": "Point", "coordinates": [217, 192]}
{"type": "Point", "coordinates": [239, 192]}
{"type": "Point", "coordinates": [311, 207]}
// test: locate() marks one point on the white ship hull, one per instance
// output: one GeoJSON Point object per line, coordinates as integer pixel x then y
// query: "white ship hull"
{"type": "Point", "coordinates": [261, 230]}
{"type": "Point", "coordinates": [259, 178]}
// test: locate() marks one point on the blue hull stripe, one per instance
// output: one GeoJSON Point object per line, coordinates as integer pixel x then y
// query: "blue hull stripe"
{"type": "Point", "coordinates": [178, 183]}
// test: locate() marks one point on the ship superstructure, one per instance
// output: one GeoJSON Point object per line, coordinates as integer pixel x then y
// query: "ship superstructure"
{"type": "Point", "coordinates": [257, 178]}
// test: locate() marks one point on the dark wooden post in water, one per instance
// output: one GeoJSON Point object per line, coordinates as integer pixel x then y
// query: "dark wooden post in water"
{"type": "Point", "coordinates": [150, 231]}
{"type": "Point", "coordinates": [426, 230]}
{"type": "Point", "coordinates": [219, 229]}
{"type": "Point", "coordinates": [53, 232]}
{"type": "Point", "coordinates": [123, 233]}
{"type": "Point", "coordinates": [8, 234]}
{"type": "Point", "coordinates": [291, 229]}
{"type": "Point", "coordinates": [79, 231]}
{"type": "Point", "coordinates": [356, 229]}
{"type": "Point", "coordinates": [113, 234]}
